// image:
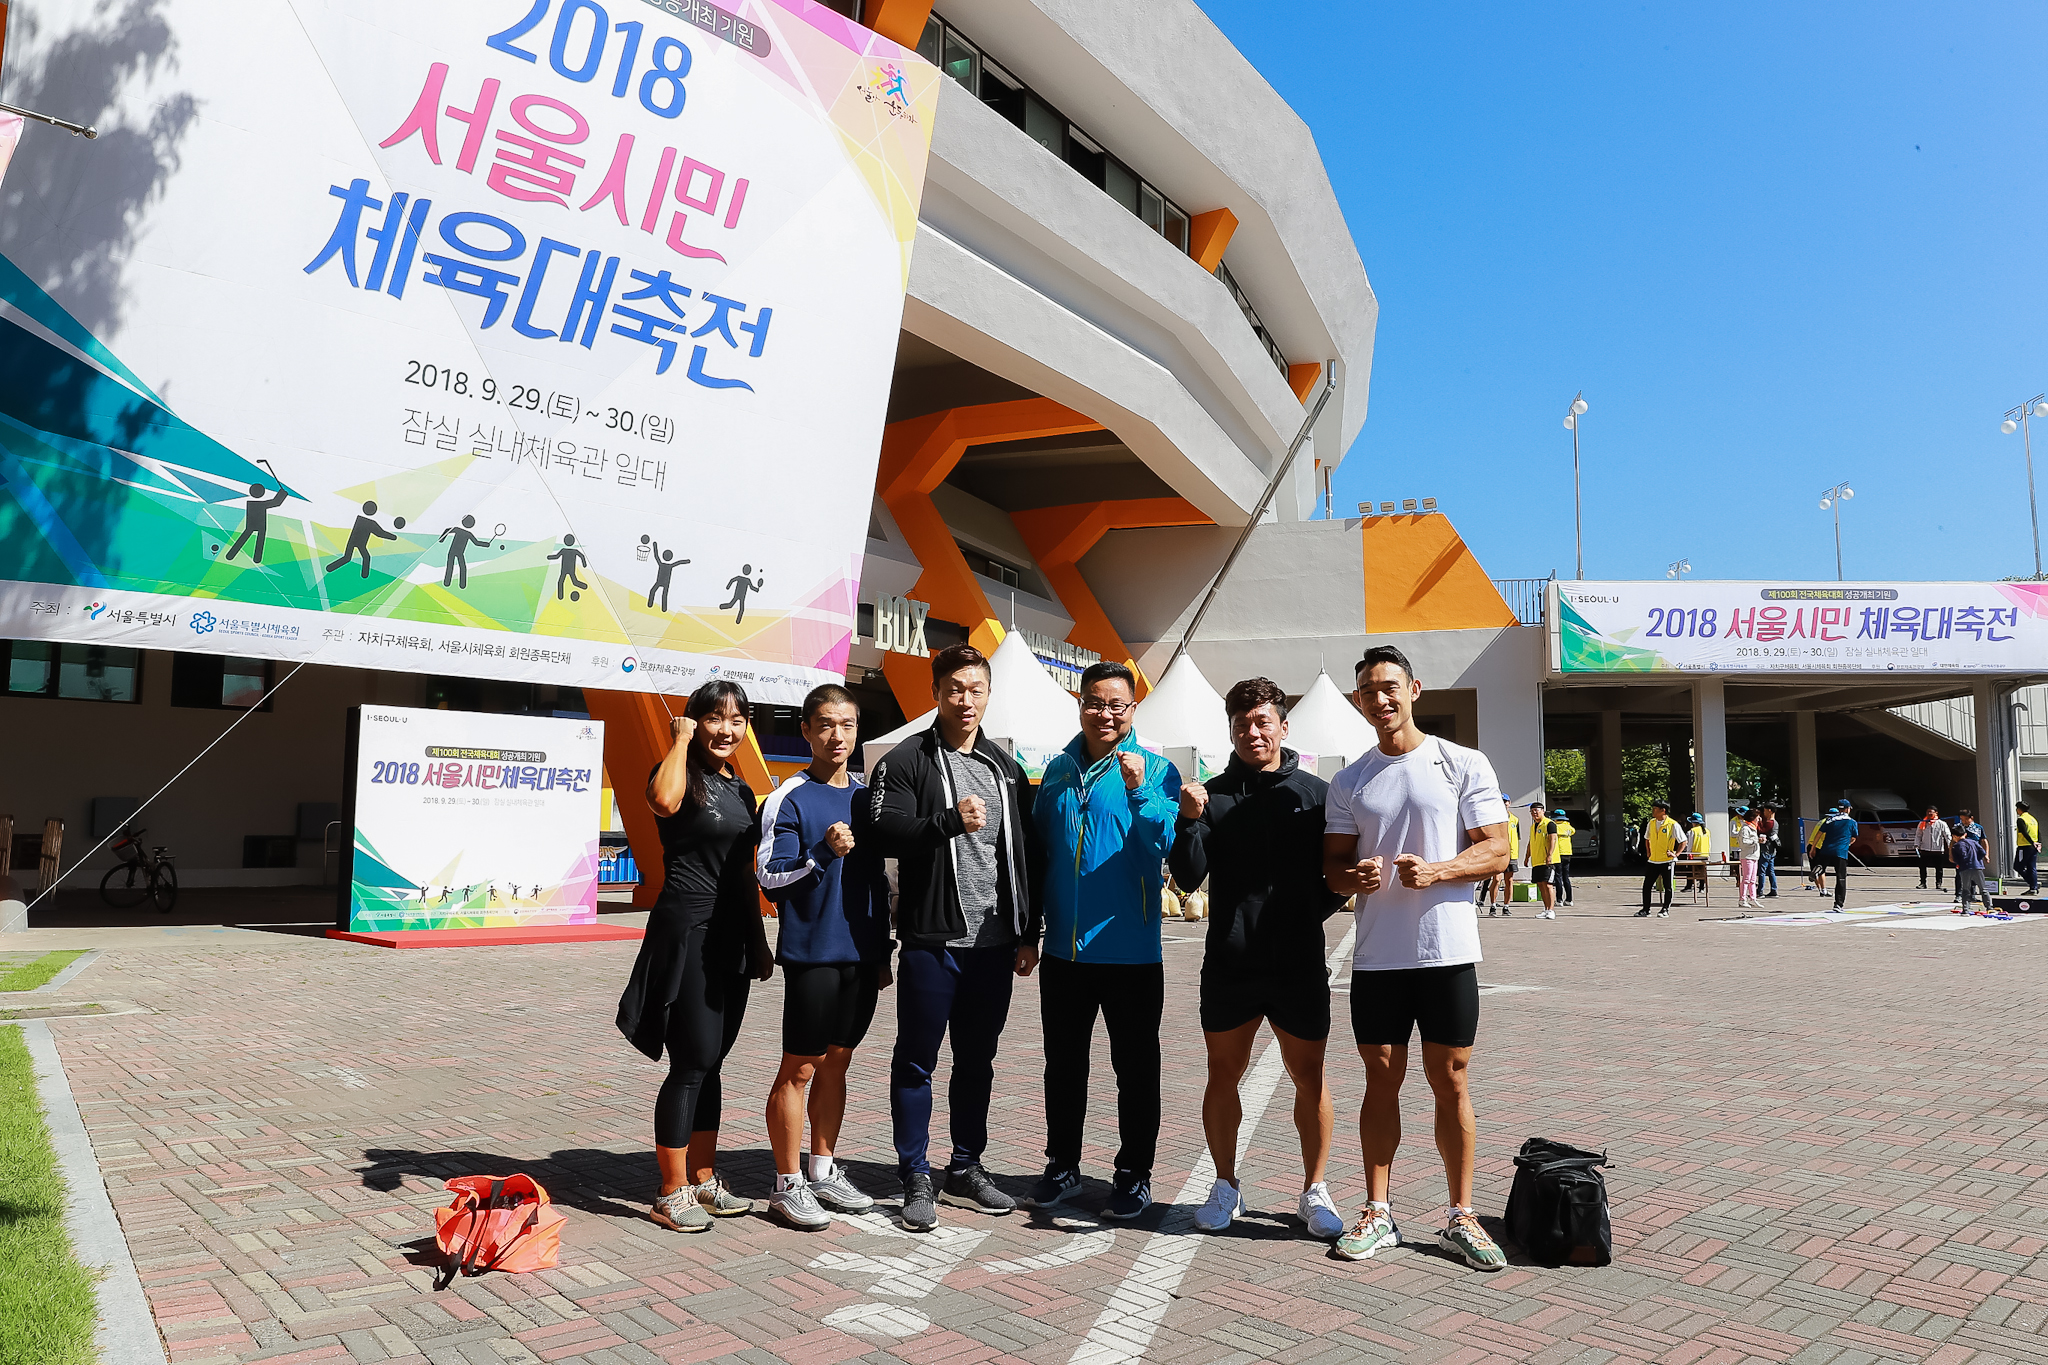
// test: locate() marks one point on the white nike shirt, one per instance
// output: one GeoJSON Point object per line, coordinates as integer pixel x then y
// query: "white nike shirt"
{"type": "Point", "coordinates": [1421, 802]}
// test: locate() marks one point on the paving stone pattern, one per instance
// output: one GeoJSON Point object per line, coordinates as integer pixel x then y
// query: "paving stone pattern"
{"type": "Point", "coordinates": [1828, 1146]}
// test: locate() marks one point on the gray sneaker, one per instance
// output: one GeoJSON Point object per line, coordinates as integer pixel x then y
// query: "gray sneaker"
{"type": "Point", "coordinates": [798, 1207]}
{"type": "Point", "coordinates": [719, 1201]}
{"type": "Point", "coordinates": [838, 1193]}
{"type": "Point", "coordinates": [680, 1211]}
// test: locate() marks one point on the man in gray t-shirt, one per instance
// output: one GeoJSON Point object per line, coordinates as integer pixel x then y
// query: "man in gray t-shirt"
{"type": "Point", "coordinates": [976, 855]}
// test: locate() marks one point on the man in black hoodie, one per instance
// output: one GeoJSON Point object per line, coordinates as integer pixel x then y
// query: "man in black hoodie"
{"type": "Point", "coordinates": [954, 811]}
{"type": "Point", "coordinates": [1256, 834]}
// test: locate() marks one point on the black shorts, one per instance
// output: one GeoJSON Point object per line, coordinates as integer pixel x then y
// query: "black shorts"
{"type": "Point", "coordinates": [1295, 1004]}
{"type": "Point", "coordinates": [1388, 1006]}
{"type": "Point", "coordinates": [829, 1005]}
{"type": "Point", "coordinates": [1540, 874]}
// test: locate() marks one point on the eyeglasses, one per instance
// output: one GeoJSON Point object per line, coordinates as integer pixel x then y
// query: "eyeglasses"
{"type": "Point", "coordinates": [1107, 708]}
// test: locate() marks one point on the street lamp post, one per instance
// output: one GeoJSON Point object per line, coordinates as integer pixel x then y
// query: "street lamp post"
{"type": "Point", "coordinates": [2037, 406]}
{"type": "Point", "coordinates": [1833, 498]}
{"type": "Point", "coordinates": [1678, 568]}
{"type": "Point", "coordinates": [1572, 414]}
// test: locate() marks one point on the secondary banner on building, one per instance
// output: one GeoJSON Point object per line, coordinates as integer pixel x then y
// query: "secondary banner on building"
{"type": "Point", "coordinates": [1764, 627]}
{"type": "Point", "coordinates": [466, 820]}
{"type": "Point", "coordinates": [536, 339]}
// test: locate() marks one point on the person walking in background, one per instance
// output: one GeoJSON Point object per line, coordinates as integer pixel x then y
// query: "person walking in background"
{"type": "Point", "coordinates": [1836, 830]}
{"type": "Point", "coordinates": [1662, 839]}
{"type": "Point", "coordinates": [833, 947]}
{"type": "Point", "coordinates": [1748, 847]}
{"type": "Point", "coordinates": [2026, 847]}
{"type": "Point", "coordinates": [1699, 846]}
{"type": "Point", "coordinates": [954, 811]}
{"type": "Point", "coordinates": [1504, 884]}
{"type": "Point", "coordinates": [1105, 815]}
{"type": "Point", "coordinates": [1561, 832]}
{"type": "Point", "coordinates": [1966, 853]}
{"type": "Point", "coordinates": [1931, 839]}
{"type": "Point", "coordinates": [1541, 859]}
{"type": "Point", "coordinates": [705, 941]}
{"type": "Point", "coordinates": [1255, 835]}
{"type": "Point", "coordinates": [1816, 871]}
{"type": "Point", "coordinates": [1963, 825]}
{"type": "Point", "coordinates": [1767, 849]}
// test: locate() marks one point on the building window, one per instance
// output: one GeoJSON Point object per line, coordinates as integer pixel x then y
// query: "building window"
{"type": "Point", "coordinates": [42, 668]}
{"type": "Point", "coordinates": [1251, 316]}
{"type": "Point", "coordinates": [1007, 575]}
{"type": "Point", "coordinates": [215, 682]}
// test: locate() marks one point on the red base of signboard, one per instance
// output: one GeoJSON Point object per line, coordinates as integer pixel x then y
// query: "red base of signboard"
{"type": "Point", "coordinates": [494, 938]}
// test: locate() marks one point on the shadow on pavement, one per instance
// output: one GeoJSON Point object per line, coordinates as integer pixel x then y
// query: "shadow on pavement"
{"type": "Point", "coordinates": [279, 909]}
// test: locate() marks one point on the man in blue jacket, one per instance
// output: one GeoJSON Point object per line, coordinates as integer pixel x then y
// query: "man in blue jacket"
{"type": "Point", "coordinates": [1105, 814]}
{"type": "Point", "coordinates": [1837, 830]}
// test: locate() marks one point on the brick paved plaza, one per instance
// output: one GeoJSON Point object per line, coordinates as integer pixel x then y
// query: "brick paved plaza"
{"type": "Point", "coordinates": [1826, 1146]}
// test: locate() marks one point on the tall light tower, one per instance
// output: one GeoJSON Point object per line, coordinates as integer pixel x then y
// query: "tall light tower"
{"type": "Point", "coordinates": [1678, 568]}
{"type": "Point", "coordinates": [1833, 498]}
{"type": "Point", "coordinates": [2037, 406]}
{"type": "Point", "coordinates": [1572, 414]}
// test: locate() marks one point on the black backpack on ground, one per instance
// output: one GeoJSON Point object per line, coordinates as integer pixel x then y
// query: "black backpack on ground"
{"type": "Point", "coordinates": [1557, 1207]}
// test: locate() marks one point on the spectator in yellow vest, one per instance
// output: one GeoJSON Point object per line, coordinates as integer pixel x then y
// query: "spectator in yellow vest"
{"type": "Point", "coordinates": [1542, 860]}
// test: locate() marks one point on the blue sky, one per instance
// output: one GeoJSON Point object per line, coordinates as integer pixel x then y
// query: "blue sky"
{"type": "Point", "coordinates": [1778, 247]}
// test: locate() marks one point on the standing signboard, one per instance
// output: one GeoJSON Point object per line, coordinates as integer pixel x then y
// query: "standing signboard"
{"type": "Point", "coordinates": [469, 820]}
{"type": "Point", "coordinates": [527, 339]}
{"type": "Point", "coordinates": [1778, 627]}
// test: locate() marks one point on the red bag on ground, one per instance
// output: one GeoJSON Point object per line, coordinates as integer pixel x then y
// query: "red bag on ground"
{"type": "Point", "coordinates": [497, 1224]}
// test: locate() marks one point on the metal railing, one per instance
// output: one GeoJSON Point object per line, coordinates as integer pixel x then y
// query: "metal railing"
{"type": "Point", "coordinates": [1524, 597]}
{"type": "Point", "coordinates": [1955, 719]}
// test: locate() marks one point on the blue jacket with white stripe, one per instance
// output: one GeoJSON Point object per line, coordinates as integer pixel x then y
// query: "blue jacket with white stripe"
{"type": "Point", "coordinates": [832, 909]}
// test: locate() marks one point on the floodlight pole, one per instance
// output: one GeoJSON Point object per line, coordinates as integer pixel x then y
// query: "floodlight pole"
{"type": "Point", "coordinates": [1265, 500]}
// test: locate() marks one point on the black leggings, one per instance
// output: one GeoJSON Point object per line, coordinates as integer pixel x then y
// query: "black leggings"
{"type": "Point", "coordinates": [1562, 880]}
{"type": "Point", "coordinates": [1658, 875]}
{"type": "Point", "coordinates": [703, 1023]}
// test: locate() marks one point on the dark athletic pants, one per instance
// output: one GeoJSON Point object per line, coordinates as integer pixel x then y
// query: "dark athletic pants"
{"type": "Point", "coordinates": [1841, 867]}
{"type": "Point", "coordinates": [966, 990]}
{"type": "Point", "coordinates": [1131, 998]}
{"type": "Point", "coordinates": [1658, 875]}
{"type": "Point", "coordinates": [1937, 861]}
{"type": "Point", "coordinates": [703, 1024]}
{"type": "Point", "coordinates": [1562, 880]}
{"type": "Point", "coordinates": [2023, 863]}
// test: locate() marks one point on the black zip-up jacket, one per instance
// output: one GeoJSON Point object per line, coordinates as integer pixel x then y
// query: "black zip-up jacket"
{"type": "Point", "coordinates": [912, 814]}
{"type": "Point", "coordinates": [1260, 844]}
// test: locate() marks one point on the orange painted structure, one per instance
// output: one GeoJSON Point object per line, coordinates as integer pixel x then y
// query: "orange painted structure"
{"type": "Point", "coordinates": [1419, 575]}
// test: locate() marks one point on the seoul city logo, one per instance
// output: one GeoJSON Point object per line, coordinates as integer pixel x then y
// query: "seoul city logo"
{"type": "Point", "coordinates": [628, 664]}
{"type": "Point", "coordinates": [203, 623]}
{"type": "Point", "coordinates": [886, 88]}
{"type": "Point", "coordinates": [93, 611]}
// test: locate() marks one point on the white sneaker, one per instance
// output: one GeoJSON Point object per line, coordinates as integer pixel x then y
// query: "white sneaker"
{"type": "Point", "coordinates": [1320, 1213]}
{"type": "Point", "coordinates": [1548, 914]}
{"type": "Point", "coordinates": [1226, 1202]}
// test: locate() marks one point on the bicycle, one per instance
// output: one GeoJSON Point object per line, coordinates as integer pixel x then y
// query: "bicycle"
{"type": "Point", "coordinates": [136, 876]}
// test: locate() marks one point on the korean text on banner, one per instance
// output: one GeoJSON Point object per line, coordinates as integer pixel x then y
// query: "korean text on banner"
{"type": "Point", "coordinates": [534, 339]}
{"type": "Point", "coordinates": [465, 820]}
{"type": "Point", "coordinates": [1687, 627]}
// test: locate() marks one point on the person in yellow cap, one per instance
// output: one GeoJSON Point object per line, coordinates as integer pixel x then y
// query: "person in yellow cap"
{"type": "Point", "coordinates": [1662, 839]}
{"type": "Point", "coordinates": [1561, 832]}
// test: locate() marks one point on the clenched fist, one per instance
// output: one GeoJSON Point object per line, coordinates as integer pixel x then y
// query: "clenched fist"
{"type": "Point", "coordinates": [1133, 766]}
{"type": "Point", "coordinates": [1360, 879]}
{"type": "Point", "coordinates": [680, 728]}
{"type": "Point", "coordinates": [973, 814]}
{"type": "Point", "coordinates": [1194, 799]}
{"type": "Point", "coordinates": [839, 838]}
{"type": "Point", "coordinates": [1415, 874]}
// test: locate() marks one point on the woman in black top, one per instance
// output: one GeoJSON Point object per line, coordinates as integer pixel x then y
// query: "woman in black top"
{"type": "Point", "coordinates": [688, 991]}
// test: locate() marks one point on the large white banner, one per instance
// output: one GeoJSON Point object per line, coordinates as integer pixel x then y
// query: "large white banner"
{"type": "Point", "coordinates": [467, 820]}
{"type": "Point", "coordinates": [1767, 627]}
{"type": "Point", "coordinates": [541, 339]}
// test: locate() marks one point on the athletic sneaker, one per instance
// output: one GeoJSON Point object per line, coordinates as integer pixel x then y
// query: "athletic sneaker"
{"type": "Point", "coordinates": [798, 1207]}
{"type": "Point", "coordinates": [1643, 913]}
{"type": "Point", "coordinates": [1226, 1204]}
{"type": "Point", "coordinates": [920, 1204]}
{"type": "Point", "coordinates": [1548, 914]}
{"type": "Point", "coordinates": [970, 1188]}
{"type": "Point", "coordinates": [1320, 1212]}
{"type": "Point", "coordinates": [719, 1201]}
{"type": "Point", "coordinates": [1130, 1196]}
{"type": "Point", "coordinates": [1492, 910]}
{"type": "Point", "coordinates": [1468, 1241]}
{"type": "Point", "coordinates": [1056, 1186]}
{"type": "Point", "coordinates": [680, 1210]}
{"type": "Point", "coordinates": [1663, 914]}
{"type": "Point", "coordinates": [1374, 1232]}
{"type": "Point", "coordinates": [838, 1193]}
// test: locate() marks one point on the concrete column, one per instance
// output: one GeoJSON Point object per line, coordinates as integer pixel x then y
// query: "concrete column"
{"type": "Point", "coordinates": [1710, 757]}
{"type": "Point", "coordinates": [1997, 773]}
{"type": "Point", "coordinates": [1805, 787]}
{"type": "Point", "coordinates": [1608, 782]}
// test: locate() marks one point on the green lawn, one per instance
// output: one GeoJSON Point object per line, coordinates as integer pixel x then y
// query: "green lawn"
{"type": "Point", "coordinates": [46, 1296]}
{"type": "Point", "coordinates": [26, 976]}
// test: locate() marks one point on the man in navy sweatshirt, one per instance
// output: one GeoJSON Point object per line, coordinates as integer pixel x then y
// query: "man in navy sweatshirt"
{"type": "Point", "coordinates": [834, 952]}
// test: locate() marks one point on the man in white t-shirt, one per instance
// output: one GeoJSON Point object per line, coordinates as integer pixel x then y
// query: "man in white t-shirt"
{"type": "Point", "coordinates": [1407, 829]}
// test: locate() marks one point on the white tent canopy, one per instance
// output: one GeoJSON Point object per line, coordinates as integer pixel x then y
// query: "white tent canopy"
{"type": "Point", "coordinates": [1185, 712]}
{"type": "Point", "coordinates": [1026, 708]}
{"type": "Point", "coordinates": [1326, 723]}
